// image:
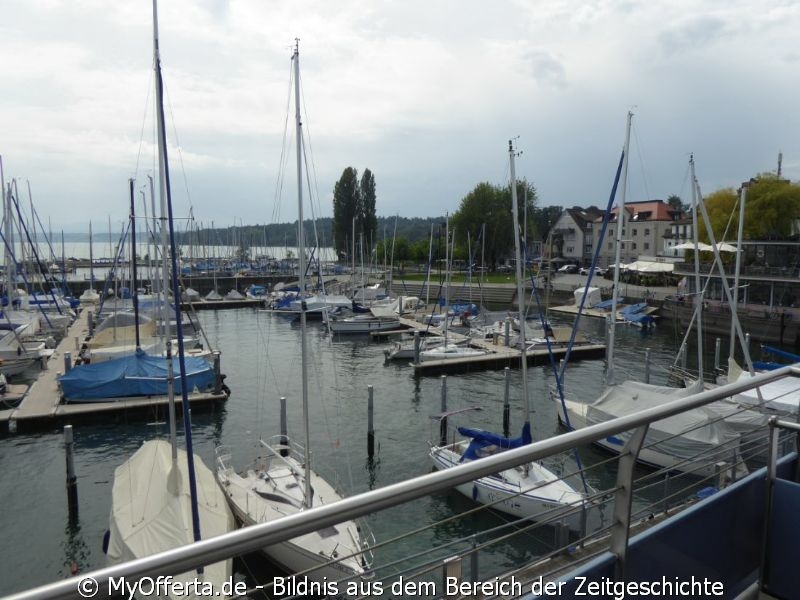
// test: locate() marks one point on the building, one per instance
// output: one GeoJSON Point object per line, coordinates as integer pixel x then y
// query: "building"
{"type": "Point", "coordinates": [572, 235]}
{"type": "Point", "coordinates": [648, 224]}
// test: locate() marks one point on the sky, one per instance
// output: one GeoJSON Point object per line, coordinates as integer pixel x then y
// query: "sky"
{"type": "Point", "coordinates": [424, 93]}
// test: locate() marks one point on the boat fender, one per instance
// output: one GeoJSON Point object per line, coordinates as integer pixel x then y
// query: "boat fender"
{"type": "Point", "coordinates": [474, 492]}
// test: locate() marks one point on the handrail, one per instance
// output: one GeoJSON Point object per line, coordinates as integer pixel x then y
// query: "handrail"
{"type": "Point", "coordinates": [258, 536]}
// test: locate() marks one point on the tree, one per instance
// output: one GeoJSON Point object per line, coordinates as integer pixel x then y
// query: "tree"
{"type": "Point", "coordinates": [367, 221]}
{"type": "Point", "coordinates": [676, 203]}
{"type": "Point", "coordinates": [490, 206]}
{"type": "Point", "coordinates": [772, 208]}
{"type": "Point", "coordinates": [346, 195]}
{"type": "Point", "coordinates": [354, 200]}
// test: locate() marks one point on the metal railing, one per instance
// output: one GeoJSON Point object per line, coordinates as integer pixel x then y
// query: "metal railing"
{"type": "Point", "coordinates": [255, 537]}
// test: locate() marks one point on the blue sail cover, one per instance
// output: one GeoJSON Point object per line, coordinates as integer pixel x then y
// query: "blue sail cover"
{"type": "Point", "coordinates": [482, 439]}
{"type": "Point", "coordinates": [135, 375]}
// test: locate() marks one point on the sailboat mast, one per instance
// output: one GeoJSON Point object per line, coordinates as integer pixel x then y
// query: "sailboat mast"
{"type": "Point", "coordinates": [302, 252]}
{"type": "Point", "coordinates": [697, 280]}
{"type": "Point", "coordinates": [520, 289]}
{"type": "Point", "coordinates": [738, 268]}
{"type": "Point", "coordinates": [621, 214]}
{"type": "Point", "coordinates": [134, 279]}
{"type": "Point", "coordinates": [167, 199]}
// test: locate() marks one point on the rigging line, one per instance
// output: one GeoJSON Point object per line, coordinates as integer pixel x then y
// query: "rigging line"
{"type": "Point", "coordinates": [641, 160]}
{"type": "Point", "coordinates": [178, 145]}
{"type": "Point", "coordinates": [144, 120]}
{"type": "Point", "coordinates": [284, 153]}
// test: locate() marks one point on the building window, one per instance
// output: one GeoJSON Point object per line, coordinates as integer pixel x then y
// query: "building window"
{"type": "Point", "coordinates": [570, 249]}
{"type": "Point", "coordinates": [647, 245]}
{"type": "Point", "coordinates": [610, 245]}
{"type": "Point", "coordinates": [635, 232]}
{"type": "Point", "coordinates": [633, 246]}
{"type": "Point", "coordinates": [646, 232]}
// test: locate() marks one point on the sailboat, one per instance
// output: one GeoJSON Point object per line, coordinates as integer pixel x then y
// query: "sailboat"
{"type": "Point", "coordinates": [164, 497]}
{"type": "Point", "coordinates": [449, 349]}
{"type": "Point", "coordinates": [694, 441]}
{"type": "Point", "coordinates": [529, 491]}
{"type": "Point", "coordinates": [90, 296]}
{"type": "Point", "coordinates": [282, 482]}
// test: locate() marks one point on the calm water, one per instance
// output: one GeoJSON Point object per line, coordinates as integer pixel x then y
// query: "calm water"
{"type": "Point", "coordinates": [261, 356]}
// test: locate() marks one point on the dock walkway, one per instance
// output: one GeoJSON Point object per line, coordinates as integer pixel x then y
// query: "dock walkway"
{"type": "Point", "coordinates": [499, 355]}
{"type": "Point", "coordinates": [42, 407]}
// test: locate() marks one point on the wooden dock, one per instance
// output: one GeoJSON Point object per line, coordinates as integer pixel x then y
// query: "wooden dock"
{"type": "Point", "coordinates": [499, 355]}
{"type": "Point", "coordinates": [572, 309]}
{"type": "Point", "coordinates": [42, 407]}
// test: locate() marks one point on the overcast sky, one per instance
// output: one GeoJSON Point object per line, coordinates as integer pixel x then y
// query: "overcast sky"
{"type": "Point", "coordinates": [426, 94]}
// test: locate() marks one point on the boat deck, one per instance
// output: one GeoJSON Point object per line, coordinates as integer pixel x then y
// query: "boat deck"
{"type": "Point", "coordinates": [499, 355]}
{"type": "Point", "coordinates": [42, 407]}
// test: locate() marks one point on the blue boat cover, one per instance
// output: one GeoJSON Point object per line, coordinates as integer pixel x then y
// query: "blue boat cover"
{"type": "Point", "coordinates": [137, 374]}
{"type": "Point", "coordinates": [482, 439]}
{"type": "Point", "coordinates": [634, 308]}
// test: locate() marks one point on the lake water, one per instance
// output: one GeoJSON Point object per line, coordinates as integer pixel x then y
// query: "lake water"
{"type": "Point", "coordinates": [261, 356]}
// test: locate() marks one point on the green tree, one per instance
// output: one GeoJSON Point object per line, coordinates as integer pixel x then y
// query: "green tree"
{"type": "Point", "coordinates": [490, 206]}
{"type": "Point", "coordinates": [676, 203]}
{"type": "Point", "coordinates": [720, 206]}
{"type": "Point", "coordinates": [346, 194]}
{"type": "Point", "coordinates": [367, 221]}
{"type": "Point", "coordinates": [354, 201]}
{"type": "Point", "coordinates": [772, 208]}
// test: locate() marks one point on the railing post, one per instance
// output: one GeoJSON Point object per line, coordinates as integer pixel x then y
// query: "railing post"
{"type": "Point", "coordinates": [473, 560]}
{"type": "Point", "coordinates": [67, 362]}
{"type": "Point", "coordinates": [772, 471]}
{"type": "Point", "coordinates": [451, 569]}
{"type": "Point", "coordinates": [623, 497]}
{"type": "Point", "coordinates": [717, 348]}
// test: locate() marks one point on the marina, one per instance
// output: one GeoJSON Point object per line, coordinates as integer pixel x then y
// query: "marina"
{"type": "Point", "coordinates": [403, 405]}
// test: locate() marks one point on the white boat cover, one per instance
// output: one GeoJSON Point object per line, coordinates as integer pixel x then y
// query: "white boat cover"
{"type": "Point", "coordinates": [151, 509]}
{"type": "Point", "coordinates": [782, 395]}
{"type": "Point", "coordinates": [592, 296]}
{"type": "Point", "coordinates": [686, 435]}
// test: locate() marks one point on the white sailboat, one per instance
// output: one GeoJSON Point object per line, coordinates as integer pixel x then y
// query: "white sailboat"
{"type": "Point", "coordinates": [90, 296]}
{"type": "Point", "coordinates": [282, 482]}
{"type": "Point", "coordinates": [164, 497]}
{"type": "Point", "coordinates": [531, 490]}
{"type": "Point", "coordinates": [692, 442]}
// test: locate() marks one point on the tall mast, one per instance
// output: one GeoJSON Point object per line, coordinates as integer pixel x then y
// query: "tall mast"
{"type": "Point", "coordinates": [742, 197]}
{"type": "Point", "coordinates": [302, 258]}
{"type": "Point", "coordinates": [167, 200]}
{"type": "Point", "coordinates": [697, 281]}
{"type": "Point", "coordinates": [621, 218]}
{"type": "Point", "coordinates": [520, 289]}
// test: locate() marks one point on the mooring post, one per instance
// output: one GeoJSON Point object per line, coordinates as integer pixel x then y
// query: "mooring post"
{"type": "Point", "coordinates": [747, 341]}
{"type": "Point", "coordinates": [647, 365]}
{"type": "Point", "coordinates": [67, 362]}
{"type": "Point", "coordinates": [217, 372]}
{"type": "Point", "coordinates": [717, 348]}
{"type": "Point", "coordinates": [90, 320]}
{"type": "Point", "coordinates": [72, 480]}
{"type": "Point", "coordinates": [683, 357]}
{"type": "Point", "coordinates": [507, 332]}
{"type": "Point", "coordinates": [370, 424]}
{"type": "Point", "coordinates": [506, 404]}
{"type": "Point", "coordinates": [416, 346]}
{"type": "Point", "coordinates": [443, 421]}
{"type": "Point", "coordinates": [284, 441]}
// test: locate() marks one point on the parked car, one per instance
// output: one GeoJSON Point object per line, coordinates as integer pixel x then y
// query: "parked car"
{"type": "Point", "coordinates": [568, 269]}
{"type": "Point", "coordinates": [597, 271]}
